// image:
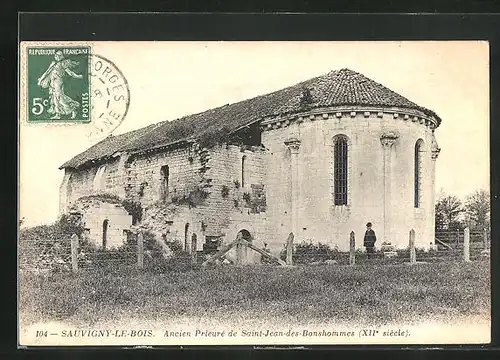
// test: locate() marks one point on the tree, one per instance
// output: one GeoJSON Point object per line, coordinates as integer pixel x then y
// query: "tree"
{"type": "Point", "coordinates": [448, 211]}
{"type": "Point", "coordinates": [477, 208]}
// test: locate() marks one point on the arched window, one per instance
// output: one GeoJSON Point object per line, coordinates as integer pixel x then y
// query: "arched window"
{"type": "Point", "coordinates": [244, 171]}
{"type": "Point", "coordinates": [99, 179]}
{"type": "Point", "coordinates": [417, 181]}
{"type": "Point", "coordinates": [165, 173]}
{"type": "Point", "coordinates": [340, 169]}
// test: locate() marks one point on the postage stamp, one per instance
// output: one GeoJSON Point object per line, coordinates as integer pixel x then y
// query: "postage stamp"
{"type": "Point", "coordinates": [71, 84]}
{"type": "Point", "coordinates": [58, 84]}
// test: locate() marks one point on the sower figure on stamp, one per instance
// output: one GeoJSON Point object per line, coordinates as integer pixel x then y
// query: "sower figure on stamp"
{"type": "Point", "coordinates": [369, 240]}
{"type": "Point", "coordinates": [53, 78]}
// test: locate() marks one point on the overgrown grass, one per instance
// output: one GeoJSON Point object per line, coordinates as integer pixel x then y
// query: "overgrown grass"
{"type": "Point", "coordinates": [368, 293]}
{"type": "Point", "coordinates": [48, 246]}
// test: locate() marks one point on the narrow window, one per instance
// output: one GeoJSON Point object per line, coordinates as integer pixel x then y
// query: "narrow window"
{"type": "Point", "coordinates": [417, 185]}
{"type": "Point", "coordinates": [340, 171]}
{"type": "Point", "coordinates": [244, 171]}
{"type": "Point", "coordinates": [165, 173]}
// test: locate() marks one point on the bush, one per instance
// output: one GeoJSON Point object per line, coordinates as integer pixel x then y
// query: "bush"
{"type": "Point", "coordinates": [154, 258]}
{"type": "Point", "coordinates": [134, 209]}
{"type": "Point", "coordinates": [306, 99]}
{"type": "Point", "coordinates": [48, 247]}
{"type": "Point", "coordinates": [102, 197]}
{"type": "Point", "coordinates": [305, 253]}
{"type": "Point", "coordinates": [213, 137]}
{"type": "Point", "coordinates": [247, 198]}
{"type": "Point", "coordinates": [192, 199]}
{"type": "Point", "coordinates": [155, 261]}
{"type": "Point", "coordinates": [419, 252]}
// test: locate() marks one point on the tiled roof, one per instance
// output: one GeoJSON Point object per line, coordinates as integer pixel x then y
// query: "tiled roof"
{"type": "Point", "coordinates": [336, 88]}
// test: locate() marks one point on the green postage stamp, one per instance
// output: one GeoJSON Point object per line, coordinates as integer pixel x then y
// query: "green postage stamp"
{"type": "Point", "coordinates": [58, 84]}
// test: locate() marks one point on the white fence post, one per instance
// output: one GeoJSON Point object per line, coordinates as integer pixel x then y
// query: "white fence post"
{"type": "Point", "coordinates": [74, 253]}
{"type": "Point", "coordinates": [466, 244]}
{"type": "Point", "coordinates": [413, 255]}
{"type": "Point", "coordinates": [239, 250]}
{"type": "Point", "coordinates": [289, 249]}
{"type": "Point", "coordinates": [352, 249]}
{"type": "Point", "coordinates": [485, 238]}
{"type": "Point", "coordinates": [140, 250]}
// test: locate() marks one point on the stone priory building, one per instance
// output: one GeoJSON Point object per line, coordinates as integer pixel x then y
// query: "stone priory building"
{"type": "Point", "coordinates": [320, 159]}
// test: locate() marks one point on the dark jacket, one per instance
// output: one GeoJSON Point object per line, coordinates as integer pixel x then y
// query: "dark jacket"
{"type": "Point", "coordinates": [370, 238]}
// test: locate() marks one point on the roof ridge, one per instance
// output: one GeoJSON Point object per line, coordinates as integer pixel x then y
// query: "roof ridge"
{"type": "Point", "coordinates": [334, 88]}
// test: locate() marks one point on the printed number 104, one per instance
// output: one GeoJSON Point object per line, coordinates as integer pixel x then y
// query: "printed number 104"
{"type": "Point", "coordinates": [41, 333]}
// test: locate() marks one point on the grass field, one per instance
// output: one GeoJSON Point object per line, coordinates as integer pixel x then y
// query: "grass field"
{"type": "Point", "coordinates": [369, 293]}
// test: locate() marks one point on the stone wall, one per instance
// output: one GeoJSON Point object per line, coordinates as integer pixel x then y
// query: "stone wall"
{"type": "Point", "coordinates": [321, 220]}
{"type": "Point", "coordinates": [103, 220]}
{"type": "Point", "coordinates": [235, 200]}
{"type": "Point", "coordinates": [83, 182]}
{"type": "Point", "coordinates": [250, 188]}
{"type": "Point", "coordinates": [224, 212]}
{"type": "Point", "coordinates": [144, 176]}
{"type": "Point", "coordinates": [80, 183]}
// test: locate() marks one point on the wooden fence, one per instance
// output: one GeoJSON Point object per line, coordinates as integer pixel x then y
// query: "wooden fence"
{"type": "Point", "coordinates": [463, 245]}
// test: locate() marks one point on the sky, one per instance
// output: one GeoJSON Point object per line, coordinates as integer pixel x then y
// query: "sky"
{"type": "Point", "coordinates": [168, 80]}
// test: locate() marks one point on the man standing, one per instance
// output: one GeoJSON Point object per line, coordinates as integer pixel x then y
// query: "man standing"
{"type": "Point", "coordinates": [369, 240]}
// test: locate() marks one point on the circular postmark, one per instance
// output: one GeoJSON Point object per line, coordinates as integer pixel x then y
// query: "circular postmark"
{"type": "Point", "coordinates": [109, 96]}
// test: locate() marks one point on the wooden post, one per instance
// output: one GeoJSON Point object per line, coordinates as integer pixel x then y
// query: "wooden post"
{"type": "Point", "coordinates": [239, 249]}
{"type": "Point", "coordinates": [74, 252]}
{"type": "Point", "coordinates": [413, 255]}
{"type": "Point", "coordinates": [140, 250]}
{"type": "Point", "coordinates": [458, 238]}
{"type": "Point", "coordinates": [289, 249]}
{"type": "Point", "coordinates": [466, 244]}
{"type": "Point", "coordinates": [239, 253]}
{"type": "Point", "coordinates": [352, 249]}
{"type": "Point", "coordinates": [485, 238]}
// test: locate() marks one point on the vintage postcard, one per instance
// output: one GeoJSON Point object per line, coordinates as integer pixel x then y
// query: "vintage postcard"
{"type": "Point", "coordinates": [262, 193]}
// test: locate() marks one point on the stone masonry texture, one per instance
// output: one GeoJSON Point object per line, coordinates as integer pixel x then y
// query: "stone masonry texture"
{"type": "Point", "coordinates": [214, 193]}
